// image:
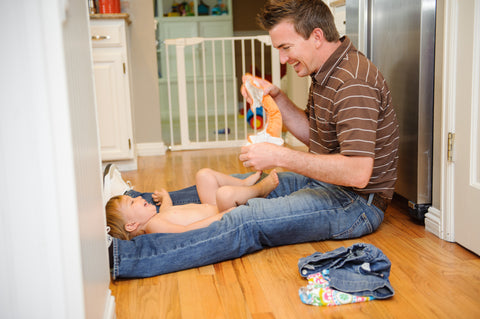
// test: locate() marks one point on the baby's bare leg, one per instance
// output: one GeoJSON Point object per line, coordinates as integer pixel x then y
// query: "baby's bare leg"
{"type": "Point", "coordinates": [266, 185]}
{"type": "Point", "coordinates": [208, 181]}
{"type": "Point", "coordinates": [250, 180]}
{"type": "Point", "coordinates": [232, 196]}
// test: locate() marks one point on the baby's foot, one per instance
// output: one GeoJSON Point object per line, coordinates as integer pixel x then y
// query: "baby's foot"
{"type": "Point", "coordinates": [268, 184]}
{"type": "Point", "coordinates": [252, 179]}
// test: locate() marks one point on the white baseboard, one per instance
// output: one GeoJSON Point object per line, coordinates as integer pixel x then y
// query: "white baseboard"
{"type": "Point", "coordinates": [141, 149]}
{"type": "Point", "coordinates": [436, 224]}
{"type": "Point", "coordinates": [433, 222]}
{"type": "Point", "coordinates": [110, 307]}
{"type": "Point", "coordinates": [150, 149]}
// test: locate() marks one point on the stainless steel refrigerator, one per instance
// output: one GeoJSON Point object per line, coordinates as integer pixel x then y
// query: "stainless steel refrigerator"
{"type": "Point", "coordinates": [399, 38]}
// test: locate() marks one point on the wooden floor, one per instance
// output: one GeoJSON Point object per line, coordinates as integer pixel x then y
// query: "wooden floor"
{"type": "Point", "coordinates": [432, 278]}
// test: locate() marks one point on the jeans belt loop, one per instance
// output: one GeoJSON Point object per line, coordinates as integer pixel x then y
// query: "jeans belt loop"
{"type": "Point", "coordinates": [376, 200]}
{"type": "Point", "coordinates": [370, 198]}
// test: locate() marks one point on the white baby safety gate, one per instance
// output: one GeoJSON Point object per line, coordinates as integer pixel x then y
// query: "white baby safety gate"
{"type": "Point", "coordinates": [201, 105]}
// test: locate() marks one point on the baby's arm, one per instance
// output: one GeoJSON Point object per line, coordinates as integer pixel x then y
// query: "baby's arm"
{"type": "Point", "coordinates": [161, 225]}
{"type": "Point", "coordinates": [162, 197]}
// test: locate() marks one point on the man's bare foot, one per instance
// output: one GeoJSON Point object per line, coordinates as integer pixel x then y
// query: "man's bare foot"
{"type": "Point", "coordinates": [268, 184]}
{"type": "Point", "coordinates": [252, 179]}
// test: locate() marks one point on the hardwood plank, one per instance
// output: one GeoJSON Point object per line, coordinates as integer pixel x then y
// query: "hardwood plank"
{"type": "Point", "coordinates": [255, 297]}
{"type": "Point", "coordinates": [125, 291]}
{"type": "Point", "coordinates": [230, 291]}
{"type": "Point", "coordinates": [198, 296]}
{"type": "Point", "coordinates": [276, 270]}
{"type": "Point", "coordinates": [158, 298]}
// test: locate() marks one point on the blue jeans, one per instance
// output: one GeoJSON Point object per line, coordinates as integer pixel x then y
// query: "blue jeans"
{"type": "Point", "coordinates": [180, 197]}
{"type": "Point", "coordinates": [299, 210]}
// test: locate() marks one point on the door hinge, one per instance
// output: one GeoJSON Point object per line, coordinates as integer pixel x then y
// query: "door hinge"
{"type": "Point", "coordinates": [124, 68]}
{"type": "Point", "coordinates": [451, 144]}
{"type": "Point", "coordinates": [129, 144]}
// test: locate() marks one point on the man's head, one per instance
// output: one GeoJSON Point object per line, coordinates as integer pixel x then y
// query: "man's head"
{"type": "Point", "coordinates": [303, 31]}
{"type": "Point", "coordinates": [305, 15]}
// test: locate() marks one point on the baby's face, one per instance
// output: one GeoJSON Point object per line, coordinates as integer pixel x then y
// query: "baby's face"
{"type": "Point", "coordinates": [137, 209]}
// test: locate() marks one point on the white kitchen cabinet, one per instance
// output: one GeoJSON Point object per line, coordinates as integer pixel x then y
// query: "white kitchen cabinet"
{"type": "Point", "coordinates": [112, 87]}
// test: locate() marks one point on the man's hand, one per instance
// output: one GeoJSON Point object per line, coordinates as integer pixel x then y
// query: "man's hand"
{"type": "Point", "coordinates": [268, 87]}
{"type": "Point", "coordinates": [260, 156]}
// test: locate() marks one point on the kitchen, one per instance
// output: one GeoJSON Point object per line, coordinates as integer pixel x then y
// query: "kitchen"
{"type": "Point", "coordinates": [54, 155]}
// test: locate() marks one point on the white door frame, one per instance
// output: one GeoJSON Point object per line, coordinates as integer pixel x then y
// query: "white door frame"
{"type": "Point", "coordinates": [439, 220]}
{"type": "Point", "coordinates": [440, 217]}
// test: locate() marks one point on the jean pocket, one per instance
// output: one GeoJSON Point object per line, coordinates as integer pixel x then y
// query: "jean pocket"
{"type": "Point", "coordinates": [360, 227]}
{"type": "Point", "coordinates": [344, 197]}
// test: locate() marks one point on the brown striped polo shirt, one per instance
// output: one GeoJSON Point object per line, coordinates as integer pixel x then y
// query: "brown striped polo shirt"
{"type": "Point", "coordinates": [351, 113]}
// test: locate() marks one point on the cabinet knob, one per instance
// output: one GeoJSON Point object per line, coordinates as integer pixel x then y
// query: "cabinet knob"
{"type": "Point", "coordinates": [100, 37]}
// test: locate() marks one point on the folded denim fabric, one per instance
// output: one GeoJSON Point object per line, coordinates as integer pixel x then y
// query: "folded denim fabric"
{"type": "Point", "coordinates": [361, 270]}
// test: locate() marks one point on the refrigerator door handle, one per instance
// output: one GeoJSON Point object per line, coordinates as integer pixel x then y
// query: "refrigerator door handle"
{"type": "Point", "coordinates": [358, 24]}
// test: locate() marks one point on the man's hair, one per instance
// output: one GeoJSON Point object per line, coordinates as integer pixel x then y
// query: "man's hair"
{"type": "Point", "coordinates": [306, 15]}
{"type": "Point", "coordinates": [115, 218]}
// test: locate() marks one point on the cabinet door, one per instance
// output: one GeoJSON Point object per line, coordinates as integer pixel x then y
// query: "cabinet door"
{"type": "Point", "coordinates": [113, 104]}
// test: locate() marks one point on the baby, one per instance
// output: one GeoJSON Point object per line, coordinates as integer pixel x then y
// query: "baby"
{"type": "Point", "coordinates": [219, 193]}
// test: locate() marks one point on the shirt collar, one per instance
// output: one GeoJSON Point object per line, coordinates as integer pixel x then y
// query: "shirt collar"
{"type": "Point", "coordinates": [327, 68]}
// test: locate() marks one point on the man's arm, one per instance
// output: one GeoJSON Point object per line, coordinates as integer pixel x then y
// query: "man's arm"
{"type": "Point", "coordinates": [338, 169]}
{"type": "Point", "coordinates": [353, 171]}
{"type": "Point", "coordinates": [294, 118]}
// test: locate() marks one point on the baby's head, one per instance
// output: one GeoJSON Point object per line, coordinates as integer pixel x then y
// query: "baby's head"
{"type": "Point", "coordinates": [127, 217]}
{"type": "Point", "coordinates": [115, 210]}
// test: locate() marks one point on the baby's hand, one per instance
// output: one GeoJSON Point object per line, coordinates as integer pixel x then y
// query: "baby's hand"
{"type": "Point", "coordinates": [157, 196]}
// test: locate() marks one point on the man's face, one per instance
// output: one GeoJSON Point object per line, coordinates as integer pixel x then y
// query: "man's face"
{"type": "Point", "coordinates": [294, 49]}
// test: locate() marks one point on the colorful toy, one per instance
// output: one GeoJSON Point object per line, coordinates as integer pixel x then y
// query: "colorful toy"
{"type": "Point", "coordinates": [255, 119]}
{"type": "Point", "coordinates": [273, 123]}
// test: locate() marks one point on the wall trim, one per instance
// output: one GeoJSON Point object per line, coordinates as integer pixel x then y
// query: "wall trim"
{"type": "Point", "coordinates": [433, 220]}
{"type": "Point", "coordinates": [151, 149]}
{"type": "Point", "coordinates": [440, 221]}
{"type": "Point", "coordinates": [475, 93]}
{"type": "Point", "coordinates": [448, 121]}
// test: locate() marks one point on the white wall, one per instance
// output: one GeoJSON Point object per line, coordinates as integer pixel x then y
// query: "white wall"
{"type": "Point", "coordinates": [86, 162]}
{"type": "Point", "coordinates": [52, 244]}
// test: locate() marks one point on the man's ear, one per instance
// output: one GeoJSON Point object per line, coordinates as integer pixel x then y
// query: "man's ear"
{"type": "Point", "coordinates": [132, 226]}
{"type": "Point", "coordinates": [317, 35]}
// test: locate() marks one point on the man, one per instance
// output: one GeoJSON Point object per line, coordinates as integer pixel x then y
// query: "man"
{"type": "Point", "coordinates": [349, 124]}
{"type": "Point", "coordinates": [339, 189]}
